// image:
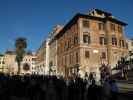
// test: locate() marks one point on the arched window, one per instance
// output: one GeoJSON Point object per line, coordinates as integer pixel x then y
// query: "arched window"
{"type": "Point", "coordinates": [26, 67]}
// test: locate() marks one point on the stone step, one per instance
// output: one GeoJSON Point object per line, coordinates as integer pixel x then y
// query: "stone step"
{"type": "Point", "coordinates": [124, 81]}
{"type": "Point", "coordinates": [118, 75]}
{"type": "Point", "coordinates": [125, 87]}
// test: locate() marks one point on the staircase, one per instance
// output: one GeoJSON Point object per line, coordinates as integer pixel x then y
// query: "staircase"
{"type": "Point", "coordinates": [124, 85]}
{"type": "Point", "coordinates": [118, 77]}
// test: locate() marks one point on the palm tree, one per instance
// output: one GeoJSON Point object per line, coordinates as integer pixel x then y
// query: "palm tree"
{"type": "Point", "coordinates": [21, 45]}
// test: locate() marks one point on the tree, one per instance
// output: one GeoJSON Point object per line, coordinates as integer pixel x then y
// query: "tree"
{"type": "Point", "coordinates": [21, 45]}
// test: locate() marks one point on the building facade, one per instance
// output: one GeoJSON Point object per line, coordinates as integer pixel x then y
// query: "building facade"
{"type": "Point", "coordinates": [42, 62]}
{"type": "Point", "coordinates": [3, 67]}
{"type": "Point", "coordinates": [26, 67]}
{"type": "Point", "coordinates": [28, 64]}
{"type": "Point", "coordinates": [10, 62]}
{"type": "Point", "coordinates": [89, 40]}
{"type": "Point", "coordinates": [53, 49]}
{"type": "Point", "coordinates": [47, 54]}
{"type": "Point", "coordinates": [130, 44]}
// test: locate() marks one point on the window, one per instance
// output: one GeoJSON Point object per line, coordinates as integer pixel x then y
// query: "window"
{"type": "Point", "coordinates": [70, 58]}
{"type": "Point", "coordinates": [77, 57]}
{"type": "Point", "coordinates": [132, 43]}
{"type": "Point", "coordinates": [69, 45]}
{"type": "Point", "coordinates": [114, 41]}
{"type": "Point", "coordinates": [86, 39]}
{"type": "Point", "coordinates": [122, 43]}
{"type": "Point", "coordinates": [65, 60]}
{"type": "Point", "coordinates": [119, 29]}
{"type": "Point", "coordinates": [102, 40]}
{"type": "Point", "coordinates": [3, 62]}
{"type": "Point", "coordinates": [65, 46]}
{"type": "Point", "coordinates": [101, 26]}
{"type": "Point", "coordinates": [86, 24]}
{"type": "Point", "coordinates": [103, 55]}
{"type": "Point", "coordinates": [113, 27]}
{"type": "Point", "coordinates": [87, 54]}
{"type": "Point", "coordinates": [75, 40]}
{"type": "Point", "coordinates": [127, 45]}
{"type": "Point", "coordinates": [33, 59]}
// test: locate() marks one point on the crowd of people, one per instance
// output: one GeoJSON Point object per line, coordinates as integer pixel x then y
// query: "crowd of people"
{"type": "Point", "coordinates": [55, 88]}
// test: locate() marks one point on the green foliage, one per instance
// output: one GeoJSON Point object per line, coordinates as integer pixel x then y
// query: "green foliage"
{"type": "Point", "coordinates": [20, 45]}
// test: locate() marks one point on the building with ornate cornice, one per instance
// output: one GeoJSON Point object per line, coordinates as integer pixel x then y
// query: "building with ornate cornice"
{"type": "Point", "coordinates": [89, 40]}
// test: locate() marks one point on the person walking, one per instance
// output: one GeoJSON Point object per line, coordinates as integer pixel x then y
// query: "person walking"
{"type": "Point", "coordinates": [114, 90]}
{"type": "Point", "coordinates": [106, 90]}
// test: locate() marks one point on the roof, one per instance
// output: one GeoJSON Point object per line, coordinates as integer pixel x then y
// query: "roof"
{"type": "Point", "coordinates": [55, 32]}
{"type": "Point", "coordinates": [79, 15]}
{"type": "Point", "coordinates": [101, 11]}
{"type": "Point", "coordinates": [10, 52]}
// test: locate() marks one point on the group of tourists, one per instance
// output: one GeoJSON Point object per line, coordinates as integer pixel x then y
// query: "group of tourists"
{"type": "Point", "coordinates": [123, 66]}
{"type": "Point", "coordinates": [55, 88]}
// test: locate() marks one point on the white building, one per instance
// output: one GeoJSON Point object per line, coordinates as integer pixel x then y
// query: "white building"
{"type": "Point", "coordinates": [42, 62]}
{"type": "Point", "coordinates": [130, 44]}
{"type": "Point", "coordinates": [26, 67]}
{"type": "Point", "coordinates": [3, 67]}
{"type": "Point", "coordinates": [28, 64]}
{"type": "Point", "coordinates": [10, 62]}
{"type": "Point", "coordinates": [53, 49]}
{"type": "Point", "coordinates": [47, 54]}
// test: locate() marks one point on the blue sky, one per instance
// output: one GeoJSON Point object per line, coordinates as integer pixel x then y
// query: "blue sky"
{"type": "Point", "coordinates": [34, 19]}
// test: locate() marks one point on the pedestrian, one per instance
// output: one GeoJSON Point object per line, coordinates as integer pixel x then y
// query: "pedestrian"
{"type": "Point", "coordinates": [106, 90]}
{"type": "Point", "coordinates": [92, 91]}
{"type": "Point", "coordinates": [114, 90]}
